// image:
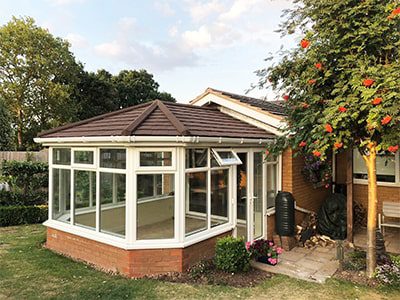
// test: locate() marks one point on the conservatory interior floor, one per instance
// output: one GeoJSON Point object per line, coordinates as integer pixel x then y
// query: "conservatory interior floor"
{"type": "Point", "coordinates": [165, 229]}
{"type": "Point", "coordinates": [391, 237]}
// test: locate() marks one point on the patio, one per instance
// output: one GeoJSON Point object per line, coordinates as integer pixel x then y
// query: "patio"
{"type": "Point", "coordinates": [391, 236]}
{"type": "Point", "coordinates": [314, 265]}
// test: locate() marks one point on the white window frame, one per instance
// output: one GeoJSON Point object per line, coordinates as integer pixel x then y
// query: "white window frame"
{"type": "Point", "coordinates": [221, 161]}
{"type": "Point", "coordinates": [396, 183]}
{"type": "Point", "coordinates": [85, 166]}
{"type": "Point", "coordinates": [115, 170]}
{"type": "Point", "coordinates": [138, 167]}
{"type": "Point", "coordinates": [51, 156]}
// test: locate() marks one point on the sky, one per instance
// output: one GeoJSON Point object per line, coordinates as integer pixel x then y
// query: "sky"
{"type": "Point", "coordinates": [187, 45]}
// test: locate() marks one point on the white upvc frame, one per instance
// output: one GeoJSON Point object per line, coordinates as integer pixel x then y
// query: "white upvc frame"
{"type": "Point", "coordinates": [221, 161]}
{"type": "Point", "coordinates": [208, 169]}
{"type": "Point", "coordinates": [179, 171]}
{"type": "Point", "coordinates": [94, 150]}
{"type": "Point", "coordinates": [383, 183]}
{"type": "Point", "coordinates": [138, 167]}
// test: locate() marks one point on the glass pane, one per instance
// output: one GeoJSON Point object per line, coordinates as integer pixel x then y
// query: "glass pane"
{"type": "Point", "coordinates": [62, 156]}
{"type": "Point", "coordinates": [113, 158]}
{"type": "Point", "coordinates": [271, 185]}
{"type": "Point", "coordinates": [155, 159]}
{"type": "Point", "coordinates": [61, 195]}
{"type": "Point", "coordinates": [226, 157]}
{"type": "Point", "coordinates": [258, 196]}
{"type": "Point", "coordinates": [241, 182]}
{"type": "Point", "coordinates": [196, 202]}
{"type": "Point", "coordinates": [85, 198]}
{"type": "Point", "coordinates": [385, 167]}
{"type": "Point", "coordinates": [83, 157]}
{"type": "Point", "coordinates": [196, 158]}
{"type": "Point", "coordinates": [112, 203]}
{"type": "Point", "coordinates": [155, 214]}
{"type": "Point", "coordinates": [219, 197]}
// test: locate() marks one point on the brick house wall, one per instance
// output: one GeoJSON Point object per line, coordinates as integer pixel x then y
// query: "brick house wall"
{"type": "Point", "coordinates": [304, 193]}
{"type": "Point", "coordinates": [131, 263]}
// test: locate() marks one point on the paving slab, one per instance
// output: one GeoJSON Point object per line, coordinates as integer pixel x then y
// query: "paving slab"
{"type": "Point", "coordinates": [312, 265]}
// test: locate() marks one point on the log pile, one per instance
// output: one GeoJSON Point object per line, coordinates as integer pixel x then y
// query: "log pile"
{"type": "Point", "coordinates": [306, 234]}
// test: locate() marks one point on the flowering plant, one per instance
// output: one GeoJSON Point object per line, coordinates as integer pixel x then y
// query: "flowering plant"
{"type": "Point", "coordinates": [317, 171]}
{"type": "Point", "coordinates": [264, 251]}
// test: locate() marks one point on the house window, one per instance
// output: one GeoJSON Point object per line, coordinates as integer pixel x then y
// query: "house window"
{"type": "Point", "coordinates": [272, 182]}
{"type": "Point", "coordinates": [113, 158]}
{"type": "Point", "coordinates": [219, 197]}
{"type": "Point", "coordinates": [85, 198]}
{"type": "Point", "coordinates": [155, 206]}
{"type": "Point", "coordinates": [196, 158]}
{"type": "Point", "coordinates": [226, 157]}
{"type": "Point", "coordinates": [207, 190]}
{"type": "Point", "coordinates": [84, 157]}
{"type": "Point", "coordinates": [112, 203]}
{"type": "Point", "coordinates": [155, 159]}
{"type": "Point", "coordinates": [196, 202]}
{"type": "Point", "coordinates": [61, 196]}
{"type": "Point", "coordinates": [386, 166]}
{"type": "Point", "coordinates": [61, 156]}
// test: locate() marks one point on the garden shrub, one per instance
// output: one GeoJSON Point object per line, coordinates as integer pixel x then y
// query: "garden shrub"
{"type": "Point", "coordinates": [231, 255]}
{"type": "Point", "coordinates": [28, 181]}
{"type": "Point", "coordinates": [17, 215]}
{"type": "Point", "coordinates": [355, 261]}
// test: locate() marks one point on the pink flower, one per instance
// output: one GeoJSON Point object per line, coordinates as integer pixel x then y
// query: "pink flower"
{"type": "Point", "coordinates": [271, 244]}
{"type": "Point", "coordinates": [248, 246]}
{"type": "Point", "coordinates": [279, 250]}
{"type": "Point", "coordinates": [269, 254]}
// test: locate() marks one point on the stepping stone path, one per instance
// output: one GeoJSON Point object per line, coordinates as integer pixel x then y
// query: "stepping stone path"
{"type": "Point", "coordinates": [315, 265]}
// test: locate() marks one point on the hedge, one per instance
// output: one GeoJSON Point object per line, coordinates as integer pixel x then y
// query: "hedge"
{"type": "Point", "coordinates": [17, 215]}
{"type": "Point", "coordinates": [11, 198]}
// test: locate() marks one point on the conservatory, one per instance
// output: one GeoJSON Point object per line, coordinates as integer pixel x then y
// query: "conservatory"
{"type": "Point", "coordinates": [148, 189]}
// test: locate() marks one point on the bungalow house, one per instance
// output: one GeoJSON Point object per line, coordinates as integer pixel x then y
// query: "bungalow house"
{"type": "Point", "coordinates": [148, 189]}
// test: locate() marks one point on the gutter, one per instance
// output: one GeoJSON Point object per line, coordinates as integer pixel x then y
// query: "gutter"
{"type": "Point", "coordinates": [135, 139]}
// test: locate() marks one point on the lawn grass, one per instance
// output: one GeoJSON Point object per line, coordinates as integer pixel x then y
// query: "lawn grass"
{"type": "Point", "coordinates": [28, 271]}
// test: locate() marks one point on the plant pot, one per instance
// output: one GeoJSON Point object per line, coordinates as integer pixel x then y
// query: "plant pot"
{"type": "Point", "coordinates": [264, 260]}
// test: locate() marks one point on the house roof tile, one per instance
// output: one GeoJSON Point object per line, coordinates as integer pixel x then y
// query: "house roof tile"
{"type": "Point", "coordinates": [158, 118]}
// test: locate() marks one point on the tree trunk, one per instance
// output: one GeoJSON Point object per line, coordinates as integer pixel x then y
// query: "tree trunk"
{"type": "Point", "coordinates": [370, 161]}
{"type": "Point", "coordinates": [19, 130]}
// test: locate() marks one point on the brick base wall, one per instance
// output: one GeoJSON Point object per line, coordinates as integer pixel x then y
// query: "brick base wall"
{"type": "Point", "coordinates": [131, 263]}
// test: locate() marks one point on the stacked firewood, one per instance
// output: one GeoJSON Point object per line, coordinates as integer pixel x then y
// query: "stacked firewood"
{"type": "Point", "coordinates": [306, 233]}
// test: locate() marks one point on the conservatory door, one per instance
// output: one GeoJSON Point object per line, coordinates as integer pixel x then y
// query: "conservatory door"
{"type": "Point", "coordinates": [249, 195]}
{"type": "Point", "coordinates": [241, 197]}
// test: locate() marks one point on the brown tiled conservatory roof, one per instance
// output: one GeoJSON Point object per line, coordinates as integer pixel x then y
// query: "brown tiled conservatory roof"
{"type": "Point", "coordinates": [158, 118]}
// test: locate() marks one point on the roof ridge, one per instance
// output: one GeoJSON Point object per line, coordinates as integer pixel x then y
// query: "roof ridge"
{"type": "Point", "coordinates": [166, 103]}
{"type": "Point", "coordinates": [95, 118]}
{"type": "Point", "coordinates": [143, 116]}
{"type": "Point", "coordinates": [179, 126]}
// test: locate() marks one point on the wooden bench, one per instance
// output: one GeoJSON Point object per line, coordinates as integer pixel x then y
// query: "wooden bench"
{"type": "Point", "coordinates": [390, 210]}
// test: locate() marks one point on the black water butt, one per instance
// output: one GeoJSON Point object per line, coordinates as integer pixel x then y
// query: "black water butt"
{"type": "Point", "coordinates": [284, 214]}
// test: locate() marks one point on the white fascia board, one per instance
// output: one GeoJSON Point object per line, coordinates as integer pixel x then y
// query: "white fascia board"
{"type": "Point", "coordinates": [150, 140]}
{"type": "Point", "coordinates": [244, 109]}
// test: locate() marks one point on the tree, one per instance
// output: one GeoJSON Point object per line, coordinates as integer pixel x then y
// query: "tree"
{"type": "Point", "coordinates": [341, 84]}
{"type": "Point", "coordinates": [137, 86]}
{"type": "Point", "coordinates": [37, 72]}
{"type": "Point", "coordinates": [95, 94]}
{"type": "Point", "coordinates": [6, 130]}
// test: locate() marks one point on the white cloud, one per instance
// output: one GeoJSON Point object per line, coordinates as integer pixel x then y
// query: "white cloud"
{"type": "Point", "coordinates": [238, 8]}
{"type": "Point", "coordinates": [202, 10]}
{"type": "Point", "coordinates": [197, 38]}
{"type": "Point", "coordinates": [164, 7]}
{"type": "Point", "coordinates": [173, 31]}
{"type": "Point", "coordinates": [77, 40]}
{"type": "Point", "coordinates": [111, 49]}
